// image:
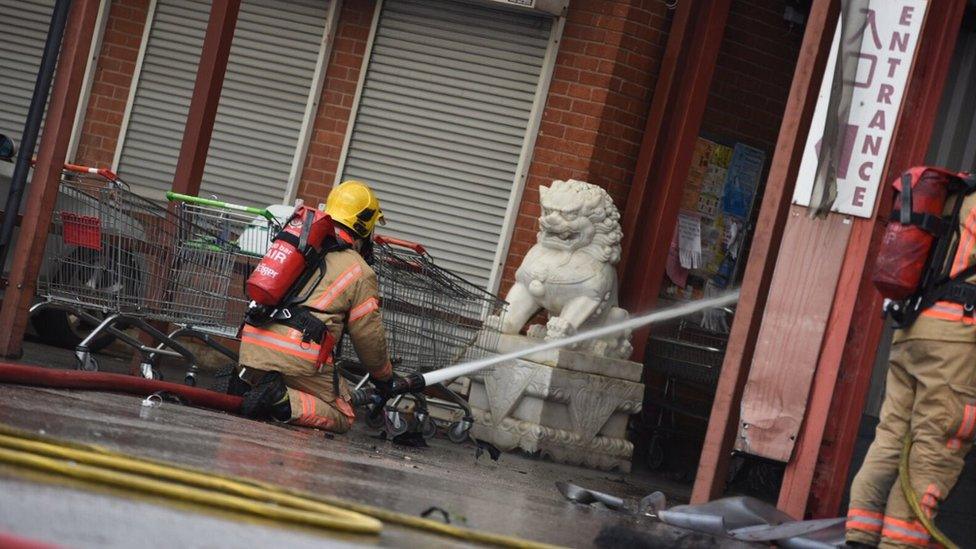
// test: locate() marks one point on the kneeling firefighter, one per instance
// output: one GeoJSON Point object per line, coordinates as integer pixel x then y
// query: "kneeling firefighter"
{"type": "Point", "coordinates": [291, 329]}
{"type": "Point", "coordinates": [925, 268]}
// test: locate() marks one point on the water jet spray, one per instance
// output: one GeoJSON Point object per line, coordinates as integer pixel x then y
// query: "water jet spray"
{"type": "Point", "coordinates": [416, 382]}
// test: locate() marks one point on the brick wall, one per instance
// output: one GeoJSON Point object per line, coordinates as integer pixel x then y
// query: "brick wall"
{"type": "Point", "coordinates": [602, 85]}
{"type": "Point", "coordinates": [335, 104]}
{"type": "Point", "coordinates": [592, 125]}
{"type": "Point", "coordinates": [594, 116]}
{"type": "Point", "coordinates": [753, 75]}
{"type": "Point", "coordinates": [113, 77]}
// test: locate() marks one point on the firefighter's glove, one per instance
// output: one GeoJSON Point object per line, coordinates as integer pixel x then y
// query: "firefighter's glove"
{"type": "Point", "coordinates": [385, 388]}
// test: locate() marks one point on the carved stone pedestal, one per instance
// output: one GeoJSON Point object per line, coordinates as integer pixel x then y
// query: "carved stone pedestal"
{"type": "Point", "coordinates": [573, 410]}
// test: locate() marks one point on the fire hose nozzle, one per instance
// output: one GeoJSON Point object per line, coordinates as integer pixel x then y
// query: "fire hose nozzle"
{"type": "Point", "coordinates": [369, 396]}
{"type": "Point", "coordinates": [363, 397]}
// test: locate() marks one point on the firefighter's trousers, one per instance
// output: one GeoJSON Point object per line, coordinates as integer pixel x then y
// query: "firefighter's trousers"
{"type": "Point", "coordinates": [930, 393]}
{"type": "Point", "coordinates": [313, 400]}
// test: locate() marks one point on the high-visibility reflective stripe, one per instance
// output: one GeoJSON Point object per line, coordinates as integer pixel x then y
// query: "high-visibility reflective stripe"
{"type": "Point", "coordinates": [363, 309]}
{"type": "Point", "coordinates": [307, 405]}
{"type": "Point", "coordinates": [862, 523]}
{"type": "Point", "coordinates": [862, 519]}
{"type": "Point", "coordinates": [309, 418]}
{"type": "Point", "coordinates": [893, 533]}
{"type": "Point", "coordinates": [930, 499]}
{"type": "Point", "coordinates": [968, 422]}
{"type": "Point", "coordinates": [338, 286]}
{"type": "Point", "coordinates": [345, 409]}
{"type": "Point", "coordinates": [276, 343]}
{"type": "Point", "coordinates": [946, 310]}
{"type": "Point", "coordinates": [854, 512]}
{"type": "Point", "coordinates": [292, 337]}
{"type": "Point", "coordinates": [908, 528]}
{"type": "Point", "coordinates": [966, 242]}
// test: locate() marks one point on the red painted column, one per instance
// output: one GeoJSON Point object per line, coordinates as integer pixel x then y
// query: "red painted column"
{"type": "Point", "coordinates": [206, 96]}
{"type": "Point", "coordinates": [723, 423]}
{"type": "Point", "coordinates": [42, 193]}
{"type": "Point", "coordinates": [673, 124]}
{"type": "Point", "coordinates": [823, 455]}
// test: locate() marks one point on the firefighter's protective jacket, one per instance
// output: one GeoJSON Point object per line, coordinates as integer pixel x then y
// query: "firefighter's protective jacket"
{"type": "Point", "coordinates": [346, 298]}
{"type": "Point", "coordinates": [930, 394]}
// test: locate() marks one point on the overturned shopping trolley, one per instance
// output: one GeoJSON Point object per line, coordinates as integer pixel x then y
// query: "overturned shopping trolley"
{"type": "Point", "coordinates": [433, 318]}
{"type": "Point", "coordinates": [118, 260]}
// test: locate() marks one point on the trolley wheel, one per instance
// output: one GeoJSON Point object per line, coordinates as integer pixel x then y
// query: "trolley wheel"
{"type": "Point", "coordinates": [655, 454]}
{"type": "Point", "coordinates": [190, 379]}
{"type": "Point", "coordinates": [458, 432]}
{"type": "Point", "coordinates": [66, 329]}
{"type": "Point", "coordinates": [427, 427]}
{"type": "Point", "coordinates": [396, 423]}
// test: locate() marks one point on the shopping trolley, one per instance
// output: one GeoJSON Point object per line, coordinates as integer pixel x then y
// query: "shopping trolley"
{"type": "Point", "coordinates": [433, 318]}
{"type": "Point", "coordinates": [221, 237]}
{"type": "Point", "coordinates": [118, 260]}
{"type": "Point", "coordinates": [687, 356]}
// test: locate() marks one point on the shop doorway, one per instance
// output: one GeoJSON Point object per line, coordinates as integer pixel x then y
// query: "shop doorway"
{"type": "Point", "coordinates": [711, 242]}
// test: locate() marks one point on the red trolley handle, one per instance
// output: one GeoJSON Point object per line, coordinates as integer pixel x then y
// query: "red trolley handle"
{"type": "Point", "coordinates": [393, 241]}
{"type": "Point", "coordinates": [104, 172]}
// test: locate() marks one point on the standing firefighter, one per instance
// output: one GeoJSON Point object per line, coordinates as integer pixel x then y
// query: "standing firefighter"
{"type": "Point", "coordinates": [926, 266]}
{"type": "Point", "coordinates": [286, 350]}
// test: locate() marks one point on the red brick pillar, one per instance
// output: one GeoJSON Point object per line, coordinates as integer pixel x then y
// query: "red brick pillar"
{"type": "Point", "coordinates": [335, 105]}
{"type": "Point", "coordinates": [591, 128]}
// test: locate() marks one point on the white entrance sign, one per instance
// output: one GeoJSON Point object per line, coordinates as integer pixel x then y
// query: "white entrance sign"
{"type": "Point", "coordinates": [889, 37]}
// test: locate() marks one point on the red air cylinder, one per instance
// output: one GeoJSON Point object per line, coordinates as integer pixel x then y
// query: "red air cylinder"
{"type": "Point", "coordinates": [905, 249]}
{"type": "Point", "coordinates": [285, 262]}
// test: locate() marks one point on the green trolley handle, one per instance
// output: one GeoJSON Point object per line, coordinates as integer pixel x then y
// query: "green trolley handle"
{"type": "Point", "coordinates": [177, 197]}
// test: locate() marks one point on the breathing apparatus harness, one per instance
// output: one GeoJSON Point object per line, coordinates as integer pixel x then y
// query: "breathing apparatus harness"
{"type": "Point", "coordinates": [913, 270]}
{"type": "Point", "coordinates": [291, 310]}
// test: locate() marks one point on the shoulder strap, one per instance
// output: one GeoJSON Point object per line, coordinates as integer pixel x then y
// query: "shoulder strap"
{"type": "Point", "coordinates": [906, 198]}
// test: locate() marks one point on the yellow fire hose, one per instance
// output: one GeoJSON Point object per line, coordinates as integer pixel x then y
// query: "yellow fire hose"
{"type": "Point", "coordinates": [906, 487]}
{"type": "Point", "coordinates": [95, 464]}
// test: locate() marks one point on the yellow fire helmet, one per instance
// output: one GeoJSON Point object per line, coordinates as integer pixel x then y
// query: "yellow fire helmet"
{"type": "Point", "coordinates": [354, 205]}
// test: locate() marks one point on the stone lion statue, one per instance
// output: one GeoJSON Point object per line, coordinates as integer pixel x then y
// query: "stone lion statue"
{"type": "Point", "coordinates": [570, 270]}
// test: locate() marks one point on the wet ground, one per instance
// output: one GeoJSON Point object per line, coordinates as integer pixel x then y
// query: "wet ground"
{"type": "Point", "coordinates": [514, 496]}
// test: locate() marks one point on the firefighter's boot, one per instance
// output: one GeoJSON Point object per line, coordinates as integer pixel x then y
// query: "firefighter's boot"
{"type": "Point", "coordinates": [268, 398]}
{"type": "Point", "coordinates": [227, 380]}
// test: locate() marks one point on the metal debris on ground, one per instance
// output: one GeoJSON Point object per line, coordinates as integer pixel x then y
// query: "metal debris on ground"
{"type": "Point", "coordinates": [481, 447]}
{"type": "Point", "coordinates": [446, 516]}
{"type": "Point", "coordinates": [584, 496]}
{"type": "Point", "coordinates": [749, 519]}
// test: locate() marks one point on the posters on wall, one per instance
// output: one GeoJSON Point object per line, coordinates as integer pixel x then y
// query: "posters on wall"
{"type": "Point", "coordinates": [715, 207]}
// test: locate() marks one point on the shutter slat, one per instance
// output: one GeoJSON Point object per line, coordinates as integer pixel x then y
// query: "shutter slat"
{"type": "Point", "coordinates": [23, 27]}
{"type": "Point", "coordinates": [441, 122]}
{"type": "Point", "coordinates": [262, 103]}
{"type": "Point", "coordinates": [394, 124]}
{"type": "Point", "coordinates": [388, 108]}
{"type": "Point", "coordinates": [395, 174]}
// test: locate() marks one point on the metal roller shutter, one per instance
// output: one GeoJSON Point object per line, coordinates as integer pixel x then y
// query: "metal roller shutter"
{"type": "Point", "coordinates": [442, 117]}
{"type": "Point", "coordinates": [23, 26]}
{"type": "Point", "coordinates": [262, 104]}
